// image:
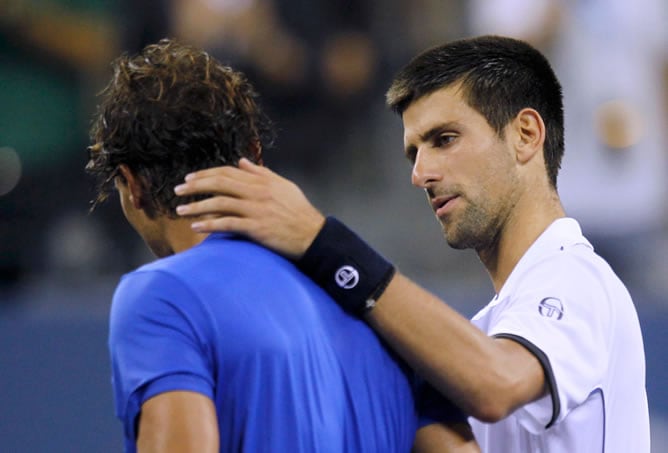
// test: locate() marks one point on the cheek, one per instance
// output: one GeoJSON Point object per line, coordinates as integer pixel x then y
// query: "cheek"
{"type": "Point", "coordinates": [500, 183]}
{"type": "Point", "coordinates": [490, 180]}
{"type": "Point", "coordinates": [470, 170]}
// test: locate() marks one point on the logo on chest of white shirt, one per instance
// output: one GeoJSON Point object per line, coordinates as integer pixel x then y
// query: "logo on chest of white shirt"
{"type": "Point", "coordinates": [551, 307]}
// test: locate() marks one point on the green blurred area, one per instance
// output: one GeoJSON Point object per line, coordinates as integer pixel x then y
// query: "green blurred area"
{"type": "Point", "coordinates": [40, 115]}
{"type": "Point", "coordinates": [44, 105]}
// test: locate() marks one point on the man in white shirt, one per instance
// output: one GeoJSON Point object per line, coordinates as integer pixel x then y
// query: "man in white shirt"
{"type": "Point", "coordinates": [556, 362]}
{"type": "Point", "coordinates": [564, 304]}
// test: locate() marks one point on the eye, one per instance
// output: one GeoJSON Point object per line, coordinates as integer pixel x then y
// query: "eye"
{"type": "Point", "coordinates": [443, 140]}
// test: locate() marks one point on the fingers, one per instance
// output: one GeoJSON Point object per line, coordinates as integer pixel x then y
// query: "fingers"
{"type": "Point", "coordinates": [216, 183]}
{"type": "Point", "coordinates": [229, 224]}
{"type": "Point", "coordinates": [253, 201]}
{"type": "Point", "coordinates": [209, 172]}
{"type": "Point", "coordinates": [220, 205]}
{"type": "Point", "coordinates": [246, 168]}
{"type": "Point", "coordinates": [220, 213]}
{"type": "Point", "coordinates": [246, 164]}
{"type": "Point", "coordinates": [234, 194]}
{"type": "Point", "coordinates": [246, 181]}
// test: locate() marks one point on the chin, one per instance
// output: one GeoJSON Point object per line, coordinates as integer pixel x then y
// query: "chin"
{"type": "Point", "coordinates": [457, 245]}
{"type": "Point", "coordinates": [452, 239]}
{"type": "Point", "coordinates": [461, 240]}
{"type": "Point", "coordinates": [456, 242]}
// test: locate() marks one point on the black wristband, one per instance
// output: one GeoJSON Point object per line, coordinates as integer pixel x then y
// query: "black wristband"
{"type": "Point", "coordinates": [345, 266]}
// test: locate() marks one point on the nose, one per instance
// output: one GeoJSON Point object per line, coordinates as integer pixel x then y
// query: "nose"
{"type": "Point", "coordinates": [425, 171]}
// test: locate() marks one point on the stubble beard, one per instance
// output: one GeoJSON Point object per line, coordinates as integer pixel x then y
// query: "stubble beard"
{"type": "Point", "coordinates": [472, 229]}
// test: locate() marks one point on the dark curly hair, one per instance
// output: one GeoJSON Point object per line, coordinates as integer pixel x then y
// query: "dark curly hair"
{"type": "Point", "coordinates": [170, 110]}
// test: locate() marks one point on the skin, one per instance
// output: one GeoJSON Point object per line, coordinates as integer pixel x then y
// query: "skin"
{"type": "Point", "coordinates": [489, 193]}
{"type": "Point", "coordinates": [440, 438]}
{"type": "Point", "coordinates": [178, 422]}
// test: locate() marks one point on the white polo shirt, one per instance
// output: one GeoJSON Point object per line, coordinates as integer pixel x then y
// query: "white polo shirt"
{"type": "Point", "coordinates": [566, 305]}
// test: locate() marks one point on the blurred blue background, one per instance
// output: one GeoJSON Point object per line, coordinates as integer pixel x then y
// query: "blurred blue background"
{"type": "Point", "coordinates": [322, 67]}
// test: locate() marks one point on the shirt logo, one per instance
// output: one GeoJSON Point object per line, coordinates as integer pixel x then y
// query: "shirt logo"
{"type": "Point", "coordinates": [551, 307]}
{"type": "Point", "coordinates": [347, 277]}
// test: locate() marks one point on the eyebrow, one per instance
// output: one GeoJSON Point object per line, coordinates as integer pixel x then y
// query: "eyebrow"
{"type": "Point", "coordinates": [431, 133]}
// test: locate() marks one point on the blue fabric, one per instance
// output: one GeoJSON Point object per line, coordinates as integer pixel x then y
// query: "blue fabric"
{"type": "Point", "coordinates": [287, 369]}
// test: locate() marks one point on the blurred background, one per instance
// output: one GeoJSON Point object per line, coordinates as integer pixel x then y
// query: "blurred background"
{"type": "Point", "coordinates": [322, 67]}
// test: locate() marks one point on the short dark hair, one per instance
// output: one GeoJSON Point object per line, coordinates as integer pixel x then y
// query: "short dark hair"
{"type": "Point", "coordinates": [500, 76]}
{"type": "Point", "coordinates": [170, 110]}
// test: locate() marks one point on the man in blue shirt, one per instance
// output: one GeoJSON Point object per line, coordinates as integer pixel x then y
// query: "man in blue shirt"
{"type": "Point", "coordinates": [222, 345]}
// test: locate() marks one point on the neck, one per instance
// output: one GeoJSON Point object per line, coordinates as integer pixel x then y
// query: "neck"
{"type": "Point", "coordinates": [527, 221]}
{"type": "Point", "coordinates": [174, 236]}
{"type": "Point", "coordinates": [181, 236]}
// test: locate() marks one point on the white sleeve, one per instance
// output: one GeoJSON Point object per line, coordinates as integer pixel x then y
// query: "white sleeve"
{"type": "Point", "coordinates": [560, 313]}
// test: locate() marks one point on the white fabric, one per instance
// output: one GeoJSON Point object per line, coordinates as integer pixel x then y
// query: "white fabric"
{"type": "Point", "coordinates": [567, 302]}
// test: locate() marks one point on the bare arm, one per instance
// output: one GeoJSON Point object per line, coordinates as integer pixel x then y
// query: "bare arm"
{"type": "Point", "coordinates": [488, 378]}
{"type": "Point", "coordinates": [440, 438]}
{"type": "Point", "coordinates": [178, 422]}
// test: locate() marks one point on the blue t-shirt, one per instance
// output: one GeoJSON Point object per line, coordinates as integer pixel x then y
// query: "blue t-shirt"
{"type": "Point", "coordinates": [287, 369]}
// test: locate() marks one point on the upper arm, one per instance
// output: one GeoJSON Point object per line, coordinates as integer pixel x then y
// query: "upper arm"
{"type": "Point", "coordinates": [178, 422]}
{"type": "Point", "coordinates": [527, 364]}
{"type": "Point", "coordinates": [441, 437]}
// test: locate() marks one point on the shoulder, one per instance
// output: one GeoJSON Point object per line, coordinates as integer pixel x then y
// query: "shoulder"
{"type": "Point", "coordinates": [571, 270]}
{"type": "Point", "coordinates": [221, 252]}
{"type": "Point", "coordinates": [146, 295]}
{"type": "Point", "coordinates": [560, 258]}
{"type": "Point", "coordinates": [156, 292]}
{"type": "Point", "coordinates": [223, 266]}
{"type": "Point", "coordinates": [574, 283]}
{"type": "Point", "coordinates": [149, 281]}
{"type": "Point", "coordinates": [226, 251]}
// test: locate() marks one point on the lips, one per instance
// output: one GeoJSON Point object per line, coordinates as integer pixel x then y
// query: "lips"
{"type": "Point", "coordinates": [441, 205]}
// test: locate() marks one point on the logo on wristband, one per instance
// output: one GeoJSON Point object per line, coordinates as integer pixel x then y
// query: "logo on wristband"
{"type": "Point", "coordinates": [347, 277]}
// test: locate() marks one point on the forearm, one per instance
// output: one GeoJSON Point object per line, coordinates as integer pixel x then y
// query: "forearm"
{"type": "Point", "coordinates": [441, 438]}
{"type": "Point", "coordinates": [487, 378]}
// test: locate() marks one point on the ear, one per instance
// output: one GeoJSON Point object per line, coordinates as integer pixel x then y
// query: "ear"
{"type": "Point", "coordinates": [134, 185]}
{"type": "Point", "coordinates": [529, 130]}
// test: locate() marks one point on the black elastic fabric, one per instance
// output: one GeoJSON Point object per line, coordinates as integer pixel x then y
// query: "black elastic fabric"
{"type": "Point", "coordinates": [345, 266]}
